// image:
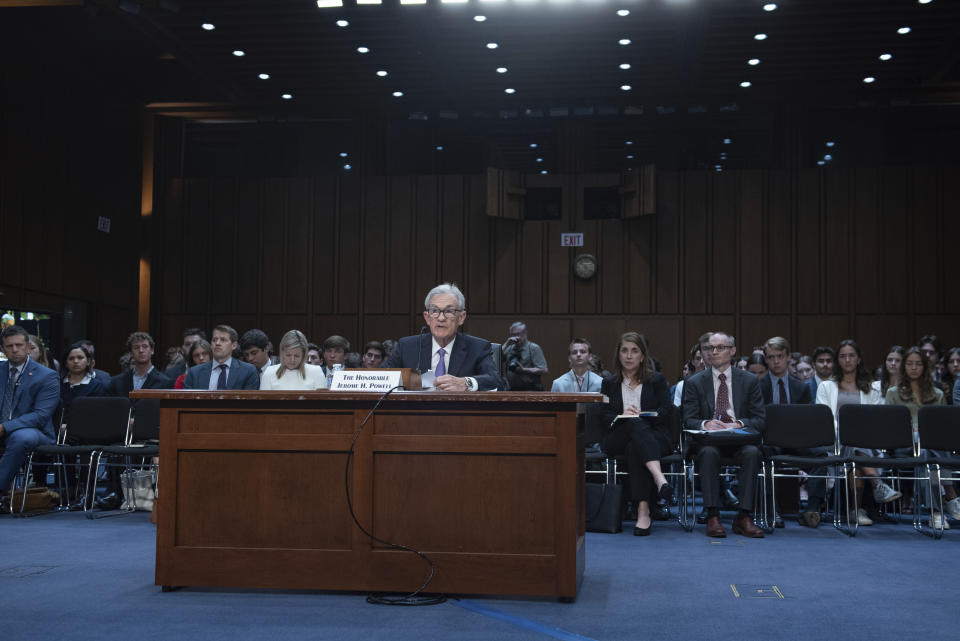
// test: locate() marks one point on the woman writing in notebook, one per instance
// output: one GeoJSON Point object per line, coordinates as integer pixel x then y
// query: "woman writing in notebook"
{"type": "Point", "coordinates": [638, 407]}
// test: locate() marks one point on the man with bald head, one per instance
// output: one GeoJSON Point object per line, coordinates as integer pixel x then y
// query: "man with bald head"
{"type": "Point", "coordinates": [460, 362]}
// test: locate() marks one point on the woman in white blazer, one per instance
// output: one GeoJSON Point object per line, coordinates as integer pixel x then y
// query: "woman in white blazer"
{"type": "Point", "coordinates": [851, 384]}
{"type": "Point", "coordinates": [293, 372]}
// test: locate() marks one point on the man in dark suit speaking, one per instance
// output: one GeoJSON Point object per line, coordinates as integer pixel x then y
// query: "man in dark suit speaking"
{"type": "Point", "coordinates": [460, 362]}
{"type": "Point", "coordinates": [720, 398]}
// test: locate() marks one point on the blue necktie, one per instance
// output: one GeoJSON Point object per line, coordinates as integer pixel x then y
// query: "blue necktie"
{"type": "Point", "coordinates": [441, 366]}
{"type": "Point", "coordinates": [7, 412]}
{"type": "Point", "coordinates": [222, 381]}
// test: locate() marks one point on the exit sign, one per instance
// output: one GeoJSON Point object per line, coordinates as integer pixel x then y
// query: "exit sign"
{"type": "Point", "coordinates": [571, 240]}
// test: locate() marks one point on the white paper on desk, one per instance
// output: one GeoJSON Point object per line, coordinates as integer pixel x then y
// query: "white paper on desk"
{"type": "Point", "coordinates": [726, 429]}
{"type": "Point", "coordinates": [426, 379]}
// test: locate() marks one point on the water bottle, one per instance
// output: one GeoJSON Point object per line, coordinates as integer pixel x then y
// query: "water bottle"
{"type": "Point", "coordinates": [336, 368]}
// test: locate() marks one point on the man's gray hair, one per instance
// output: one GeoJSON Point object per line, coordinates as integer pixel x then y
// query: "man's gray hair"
{"type": "Point", "coordinates": [520, 324]}
{"type": "Point", "coordinates": [733, 341]}
{"type": "Point", "coordinates": [446, 288]}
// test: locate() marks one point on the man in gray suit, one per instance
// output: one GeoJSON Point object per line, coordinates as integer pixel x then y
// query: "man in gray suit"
{"type": "Point", "coordinates": [719, 399]}
{"type": "Point", "coordinates": [579, 378]}
{"type": "Point", "coordinates": [223, 372]}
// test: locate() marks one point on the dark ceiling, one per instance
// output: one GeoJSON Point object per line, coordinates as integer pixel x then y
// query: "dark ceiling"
{"type": "Point", "coordinates": [687, 60]}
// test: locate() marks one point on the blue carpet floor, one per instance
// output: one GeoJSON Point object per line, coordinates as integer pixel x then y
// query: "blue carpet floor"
{"type": "Point", "coordinates": [65, 577]}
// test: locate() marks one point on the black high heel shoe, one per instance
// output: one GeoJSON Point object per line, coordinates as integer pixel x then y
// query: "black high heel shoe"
{"type": "Point", "coordinates": [642, 531]}
{"type": "Point", "coordinates": [665, 493]}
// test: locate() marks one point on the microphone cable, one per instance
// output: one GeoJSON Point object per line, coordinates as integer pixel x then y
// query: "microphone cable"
{"type": "Point", "coordinates": [415, 597]}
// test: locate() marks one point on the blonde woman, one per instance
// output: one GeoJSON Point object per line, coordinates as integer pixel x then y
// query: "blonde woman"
{"type": "Point", "coordinates": [293, 372]}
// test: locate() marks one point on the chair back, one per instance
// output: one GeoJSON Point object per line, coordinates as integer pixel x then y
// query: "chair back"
{"type": "Point", "coordinates": [595, 422]}
{"type": "Point", "coordinates": [939, 427]}
{"type": "Point", "coordinates": [799, 426]}
{"type": "Point", "coordinates": [878, 427]}
{"type": "Point", "coordinates": [99, 420]}
{"type": "Point", "coordinates": [146, 421]}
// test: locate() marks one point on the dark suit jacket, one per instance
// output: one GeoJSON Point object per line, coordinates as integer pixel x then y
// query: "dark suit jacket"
{"type": "Point", "coordinates": [174, 371]}
{"type": "Point", "coordinates": [812, 386]}
{"type": "Point", "coordinates": [698, 399]}
{"type": "Point", "coordinates": [241, 376]}
{"type": "Point", "coordinates": [799, 391]}
{"type": "Point", "coordinates": [654, 396]}
{"type": "Point", "coordinates": [35, 399]}
{"type": "Point", "coordinates": [471, 356]}
{"type": "Point", "coordinates": [122, 384]}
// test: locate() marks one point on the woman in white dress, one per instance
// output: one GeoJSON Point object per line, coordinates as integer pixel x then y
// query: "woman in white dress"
{"type": "Point", "coordinates": [293, 372]}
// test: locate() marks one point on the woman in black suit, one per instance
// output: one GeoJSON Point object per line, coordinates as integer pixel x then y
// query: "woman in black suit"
{"type": "Point", "coordinates": [636, 388]}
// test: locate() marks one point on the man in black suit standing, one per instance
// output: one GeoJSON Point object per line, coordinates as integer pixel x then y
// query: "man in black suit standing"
{"type": "Point", "coordinates": [460, 362]}
{"type": "Point", "coordinates": [143, 375]}
{"type": "Point", "coordinates": [719, 398]}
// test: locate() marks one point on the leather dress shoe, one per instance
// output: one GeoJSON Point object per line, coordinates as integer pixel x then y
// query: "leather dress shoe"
{"type": "Point", "coordinates": [729, 499]}
{"type": "Point", "coordinates": [743, 524]}
{"type": "Point", "coordinates": [778, 520]}
{"type": "Point", "coordinates": [810, 519]}
{"type": "Point", "coordinates": [702, 516]}
{"type": "Point", "coordinates": [715, 528]}
{"type": "Point", "coordinates": [111, 501]}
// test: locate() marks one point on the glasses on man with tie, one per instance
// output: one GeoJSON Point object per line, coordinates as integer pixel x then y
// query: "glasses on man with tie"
{"type": "Point", "coordinates": [449, 312]}
{"type": "Point", "coordinates": [719, 348]}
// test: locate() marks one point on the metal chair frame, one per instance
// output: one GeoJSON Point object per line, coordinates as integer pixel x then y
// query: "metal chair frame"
{"type": "Point", "coordinates": [937, 430]}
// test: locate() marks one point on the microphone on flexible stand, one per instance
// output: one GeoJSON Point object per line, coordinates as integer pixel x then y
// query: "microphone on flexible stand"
{"type": "Point", "coordinates": [420, 350]}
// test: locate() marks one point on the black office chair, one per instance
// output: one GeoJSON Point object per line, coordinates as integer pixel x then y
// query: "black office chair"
{"type": "Point", "coordinates": [938, 430]}
{"type": "Point", "coordinates": [880, 427]}
{"type": "Point", "coordinates": [95, 422]}
{"type": "Point", "coordinates": [798, 427]}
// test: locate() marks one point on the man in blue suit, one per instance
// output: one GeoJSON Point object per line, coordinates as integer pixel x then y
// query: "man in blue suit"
{"type": "Point", "coordinates": [460, 362]}
{"type": "Point", "coordinates": [223, 372]}
{"type": "Point", "coordinates": [31, 394]}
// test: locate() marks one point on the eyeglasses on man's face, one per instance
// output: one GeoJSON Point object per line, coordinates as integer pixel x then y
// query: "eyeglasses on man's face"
{"type": "Point", "coordinates": [719, 348]}
{"type": "Point", "coordinates": [450, 312]}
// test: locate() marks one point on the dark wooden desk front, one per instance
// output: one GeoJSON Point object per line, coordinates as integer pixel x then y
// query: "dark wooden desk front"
{"type": "Point", "coordinates": [488, 484]}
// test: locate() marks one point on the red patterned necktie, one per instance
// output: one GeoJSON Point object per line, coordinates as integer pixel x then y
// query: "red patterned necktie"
{"type": "Point", "coordinates": [723, 400]}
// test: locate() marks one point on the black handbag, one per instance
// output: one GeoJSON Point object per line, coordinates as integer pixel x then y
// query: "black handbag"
{"type": "Point", "coordinates": [603, 503]}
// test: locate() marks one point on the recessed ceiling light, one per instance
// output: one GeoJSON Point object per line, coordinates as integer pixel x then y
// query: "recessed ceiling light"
{"type": "Point", "coordinates": [903, 30]}
{"type": "Point", "coordinates": [624, 41]}
{"type": "Point", "coordinates": [501, 70]}
{"type": "Point", "coordinates": [539, 159]}
{"type": "Point", "coordinates": [327, 4]}
{"type": "Point", "coordinates": [343, 154]}
{"type": "Point", "coordinates": [239, 53]}
{"type": "Point", "coordinates": [770, 6]}
{"type": "Point", "coordinates": [544, 171]}
{"type": "Point", "coordinates": [382, 73]}
{"type": "Point", "coordinates": [413, 1]}
{"type": "Point", "coordinates": [753, 62]}
{"type": "Point", "coordinates": [397, 94]}
{"type": "Point", "coordinates": [746, 83]}
{"type": "Point", "coordinates": [869, 79]}
{"type": "Point", "coordinates": [830, 143]}
{"type": "Point", "coordinates": [629, 156]}
{"type": "Point", "coordinates": [625, 65]}
{"type": "Point", "coordinates": [821, 163]}
{"type": "Point", "coordinates": [343, 23]}
{"type": "Point", "coordinates": [727, 141]}
{"type": "Point", "coordinates": [623, 13]}
{"type": "Point", "coordinates": [625, 87]}
{"type": "Point", "coordinates": [886, 56]}
{"type": "Point", "coordinates": [363, 49]}
{"type": "Point", "coordinates": [480, 18]}
{"type": "Point", "coordinates": [287, 96]}
{"type": "Point", "coordinates": [759, 36]}
{"type": "Point", "coordinates": [264, 76]}
{"type": "Point", "coordinates": [533, 145]}
{"type": "Point", "coordinates": [439, 147]}
{"type": "Point", "coordinates": [828, 157]}
{"type": "Point", "coordinates": [492, 45]}
{"type": "Point", "coordinates": [348, 167]}
{"type": "Point", "coordinates": [207, 26]}
{"type": "Point", "coordinates": [629, 142]}
{"type": "Point", "coordinates": [924, 1]}
{"type": "Point", "coordinates": [369, 1]}
{"type": "Point", "coordinates": [509, 90]}
{"type": "Point", "coordinates": [723, 156]}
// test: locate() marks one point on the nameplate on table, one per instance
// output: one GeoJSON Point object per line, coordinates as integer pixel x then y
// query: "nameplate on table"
{"type": "Point", "coordinates": [365, 380]}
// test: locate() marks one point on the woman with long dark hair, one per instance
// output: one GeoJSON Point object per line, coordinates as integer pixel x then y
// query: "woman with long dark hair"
{"type": "Point", "coordinates": [634, 388]}
{"type": "Point", "coordinates": [851, 385]}
{"type": "Point", "coordinates": [889, 371]}
{"type": "Point", "coordinates": [951, 373]}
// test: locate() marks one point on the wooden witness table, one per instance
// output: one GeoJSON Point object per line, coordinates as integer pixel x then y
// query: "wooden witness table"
{"type": "Point", "coordinates": [488, 484]}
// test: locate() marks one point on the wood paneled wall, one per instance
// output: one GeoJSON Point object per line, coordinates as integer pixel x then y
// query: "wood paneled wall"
{"type": "Point", "coordinates": [816, 256]}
